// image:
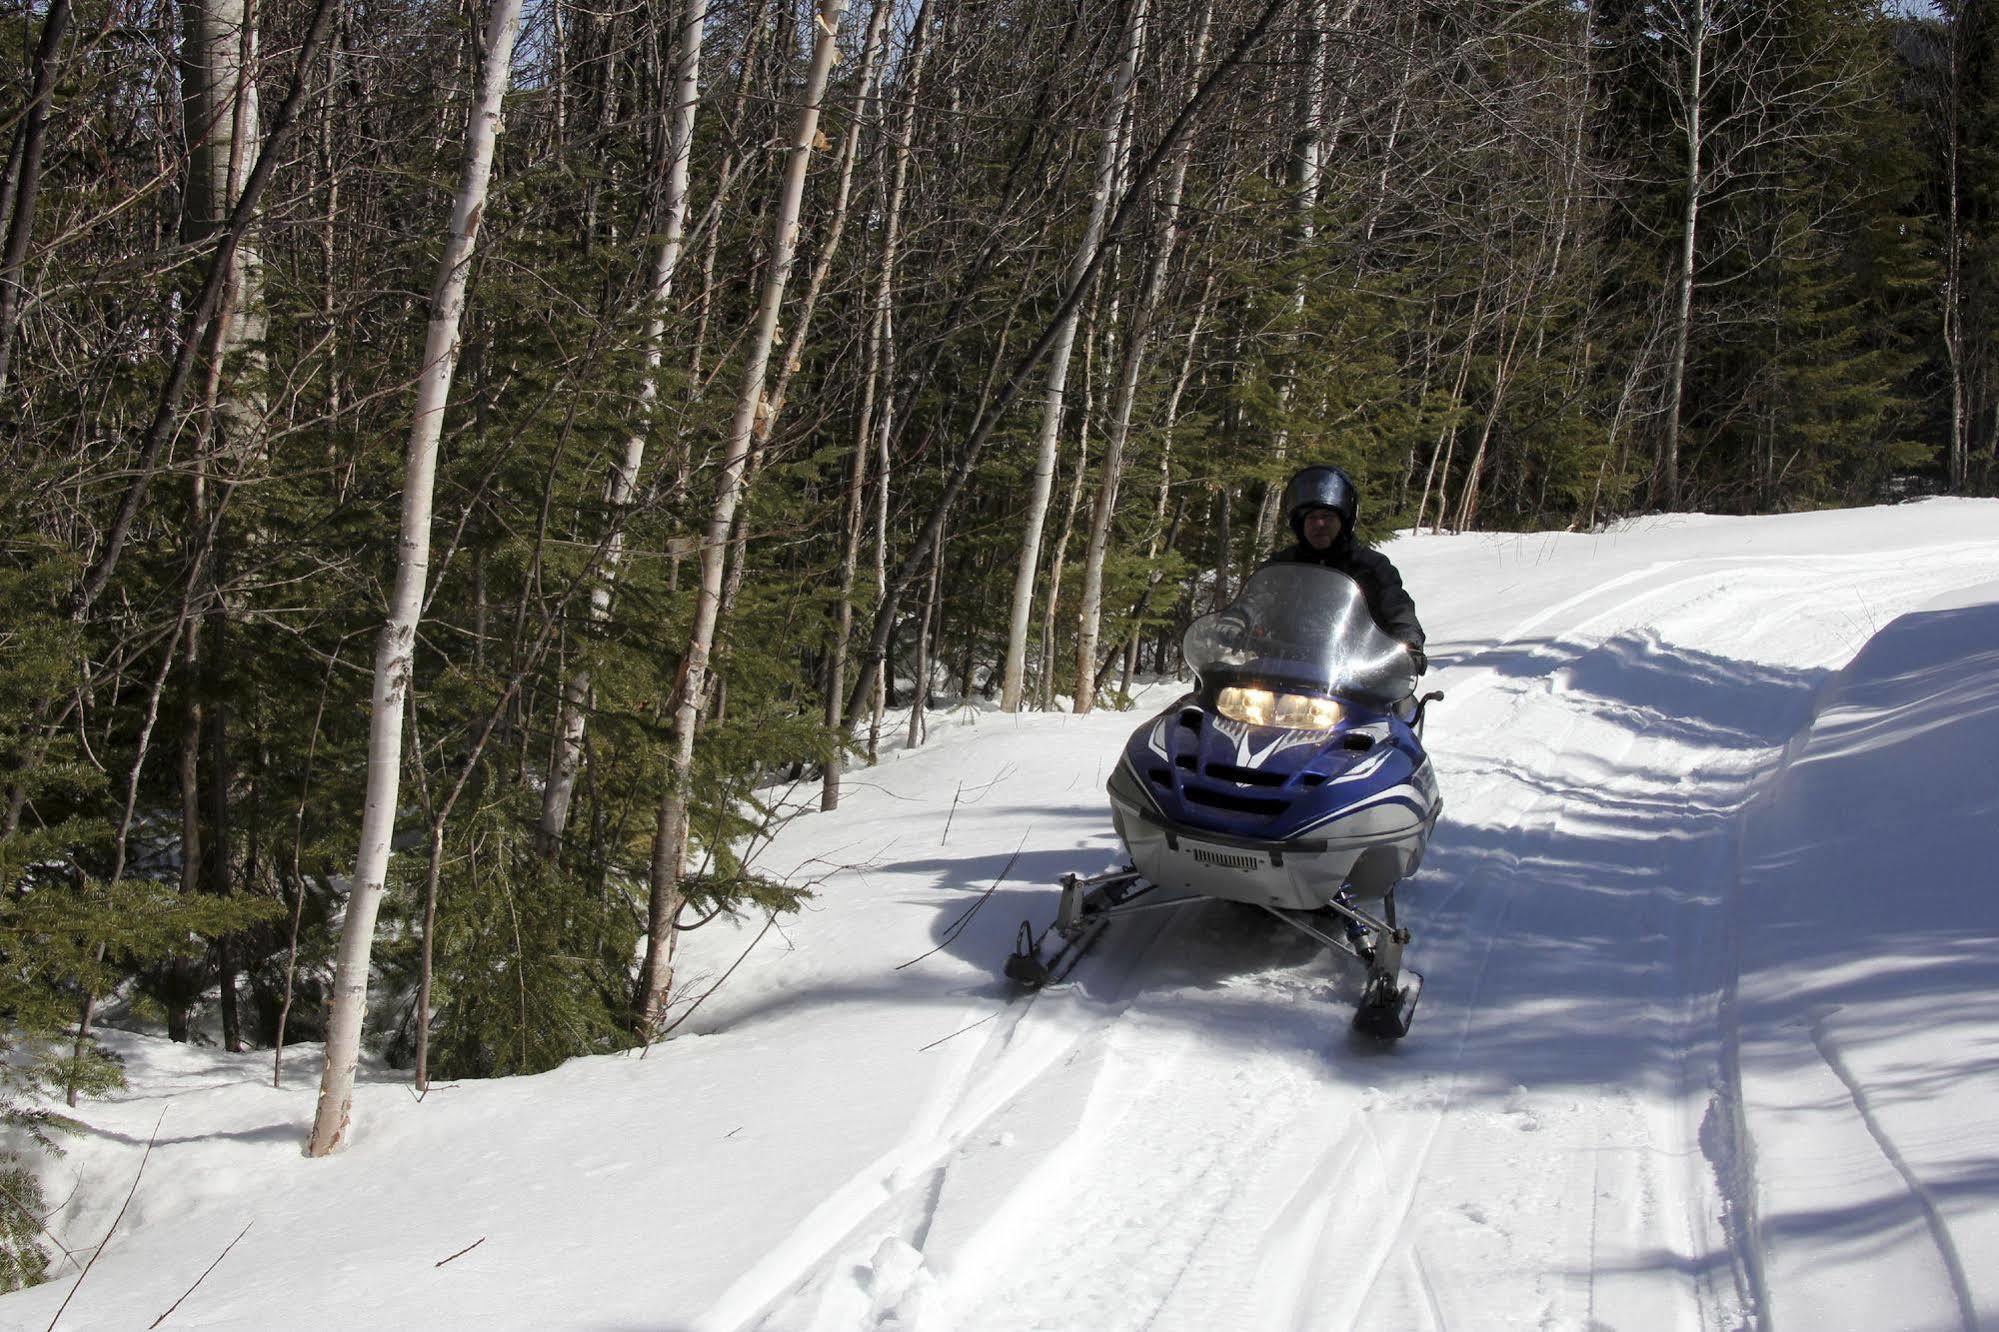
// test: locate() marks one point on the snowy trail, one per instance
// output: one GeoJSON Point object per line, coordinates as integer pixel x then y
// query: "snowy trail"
{"type": "Point", "coordinates": [1228, 1156]}
{"type": "Point", "coordinates": [1652, 1083]}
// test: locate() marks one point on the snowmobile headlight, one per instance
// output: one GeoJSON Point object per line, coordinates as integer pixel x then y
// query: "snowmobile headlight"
{"type": "Point", "coordinates": [1305, 712]}
{"type": "Point", "coordinates": [1252, 707]}
{"type": "Point", "coordinates": [1262, 707]}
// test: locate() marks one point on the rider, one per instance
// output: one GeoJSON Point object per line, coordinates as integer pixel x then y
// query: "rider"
{"type": "Point", "coordinates": [1320, 504]}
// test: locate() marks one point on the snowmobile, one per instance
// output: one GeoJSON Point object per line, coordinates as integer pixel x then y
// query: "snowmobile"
{"type": "Point", "coordinates": [1292, 778]}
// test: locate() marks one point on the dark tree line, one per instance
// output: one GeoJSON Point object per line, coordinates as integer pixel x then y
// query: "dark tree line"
{"type": "Point", "coordinates": [989, 401]}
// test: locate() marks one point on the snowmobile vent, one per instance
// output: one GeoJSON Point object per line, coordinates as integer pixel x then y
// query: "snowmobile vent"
{"type": "Point", "coordinates": [1229, 772]}
{"type": "Point", "coordinates": [1227, 860]}
{"type": "Point", "coordinates": [1358, 741]}
{"type": "Point", "coordinates": [1239, 804]}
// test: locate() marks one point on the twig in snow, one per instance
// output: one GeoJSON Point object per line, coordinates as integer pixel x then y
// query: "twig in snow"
{"type": "Point", "coordinates": [462, 1252]}
{"type": "Point", "coordinates": [952, 815]}
{"type": "Point", "coordinates": [198, 1280]}
{"type": "Point", "coordinates": [153, 1138]}
{"type": "Point", "coordinates": [957, 927]}
{"type": "Point", "coordinates": [961, 1031]}
{"type": "Point", "coordinates": [668, 1029]}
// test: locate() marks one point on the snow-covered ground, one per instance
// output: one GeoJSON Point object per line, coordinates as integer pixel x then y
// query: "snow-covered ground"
{"type": "Point", "coordinates": [1711, 937]}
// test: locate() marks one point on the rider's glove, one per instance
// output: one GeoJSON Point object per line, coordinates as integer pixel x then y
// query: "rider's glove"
{"type": "Point", "coordinates": [1417, 655]}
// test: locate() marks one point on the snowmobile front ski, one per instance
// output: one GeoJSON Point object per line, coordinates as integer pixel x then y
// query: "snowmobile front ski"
{"type": "Point", "coordinates": [1388, 1000]}
{"type": "Point", "coordinates": [1388, 1005]}
{"type": "Point", "coordinates": [1027, 967]}
{"type": "Point", "coordinates": [1088, 903]}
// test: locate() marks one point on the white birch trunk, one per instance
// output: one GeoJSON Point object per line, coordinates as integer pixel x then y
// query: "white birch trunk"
{"type": "Point", "coordinates": [397, 643]}
{"type": "Point", "coordinates": [220, 44]}
{"type": "Point", "coordinates": [1089, 612]}
{"type": "Point", "coordinates": [1693, 95]}
{"type": "Point", "coordinates": [1308, 153]}
{"type": "Point", "coordinates": [1958, 462]}
{"type": "Point", "coordinates": [1058, 373]}
{"type": "Point", "coordinates": [671, 835]}
{"type": "Point", "coordinates": [561, 787]}
{"type": "Point", "coordinates": [850, 557]}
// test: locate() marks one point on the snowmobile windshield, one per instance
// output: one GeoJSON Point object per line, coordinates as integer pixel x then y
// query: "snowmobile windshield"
{"type": "Point", "coordinates": [1303, 626]}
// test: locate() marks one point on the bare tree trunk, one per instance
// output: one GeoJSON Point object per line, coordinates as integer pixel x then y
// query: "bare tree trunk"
{"type": "Point", "coordinates": [1692, 182]}
{"type": "Point", "coordinates": [988, 420]}
{"type": "Point", "coordinates": [678, 151]}
{"type": "Point", "coordinates": [397, 645]}
{"type": "Point", "coordinates": [1163, 536]}
{"type": "Point", "coordinates": [1089, 614]}
{"type": "Point", "coordinates": [1058, 367]}
{"type": "Point", "coordinates": [919, 697]}
{"type": "Point", "coordinates": [875, 384]}
{"type": "Point", "coordinates": [1309, 147]}
{"type": "Point", "coordinates": [795, 342]}
{"type": "Point", "coordinates": [1059, 555]}
{"type": "Point", "coordinates": [1439, 470]}
{"type": "Point", "coordinates": [1957, 467]}
{"type": "Point", "coordinates": [877, 690]}
{"type": "Point", "coordinates": [222, 266]}
{"type": "Point", "coordinates": [670, 838]}
{"type": "Point", "coordinates": [1224, 558]}
{"type": "Point", "coordinates": [26, 177]}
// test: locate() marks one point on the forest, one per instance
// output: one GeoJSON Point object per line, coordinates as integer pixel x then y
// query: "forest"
{"type": "Point", "coordinates": [473, 467]}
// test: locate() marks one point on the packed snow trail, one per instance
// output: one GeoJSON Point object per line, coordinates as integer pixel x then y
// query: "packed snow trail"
{"type": "Point", "coordinates": [1225, 1154]}
{"type": "Point", "coordinates": [1644, 1026]}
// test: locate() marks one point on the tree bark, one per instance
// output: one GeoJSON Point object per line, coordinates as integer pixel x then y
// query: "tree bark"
{"type": "Point", "coordinates": [678, 152]}
{"type": "Point", "coordinates": [1693, 100]}
{"type": "Point", "coordinates": [988, 421]}
{"type": "Point", "coordinates": [1058, 366]}
{"type": "Point", "coordinates": [397, 645]}
{"type": "Point", "coordinates": [874, 385]}
{"type": "Point", "coordinates": [27, 175]}
{"type": "Point", "coordinates": [193, 329]}
{"type": "Point", "coordinates": [1089, 614]}
{"type": "Point", "coordinates": [670, 834]}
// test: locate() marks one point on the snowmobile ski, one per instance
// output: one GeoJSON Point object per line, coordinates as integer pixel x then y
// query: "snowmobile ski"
{"type": "Point", "coordinates": [1388, 1006]}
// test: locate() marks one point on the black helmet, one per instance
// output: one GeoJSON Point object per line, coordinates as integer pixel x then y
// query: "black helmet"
{"type": "Point", "coordinates": [1320, 488]}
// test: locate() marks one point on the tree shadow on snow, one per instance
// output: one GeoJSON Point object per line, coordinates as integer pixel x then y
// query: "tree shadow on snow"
{"type": "Point", "coordinates": [1589, 947]}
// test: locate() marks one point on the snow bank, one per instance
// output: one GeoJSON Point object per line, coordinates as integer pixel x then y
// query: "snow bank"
{"type": "Point", "coordinates": [1867, 925]}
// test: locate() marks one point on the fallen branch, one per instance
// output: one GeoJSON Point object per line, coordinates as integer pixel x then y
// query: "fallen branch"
{"type": "Point", "coordinates": [957, 927]}
{"type": "Point", "coordinates": [462, 1252]}
{"type": "Point", "coordinates": [668, 1029]}
{"type": "Point", "coordinates": [198, 1280]}
{"type": "Point", "coordinates": [129, 1193]}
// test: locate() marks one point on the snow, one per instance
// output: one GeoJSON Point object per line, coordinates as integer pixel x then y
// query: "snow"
{"type": "Point", "coordinates": [1709, 930]}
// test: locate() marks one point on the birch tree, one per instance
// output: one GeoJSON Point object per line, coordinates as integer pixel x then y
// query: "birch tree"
{"type": "Point", "coordinates": [395, 649]}
{"type": "Point", "coordinates": [685, 92]}
{"type": "Point", "coordinates": [1166, 235]}
{"type": "Point", "coordinates": [874, 387]}
{"type": "Point", "coordinates": [1060, 349]}
{"type": "Point", "coordinates": [670, 834]}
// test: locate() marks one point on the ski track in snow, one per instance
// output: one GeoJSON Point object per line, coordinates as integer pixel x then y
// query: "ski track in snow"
{"type": "Point", "coordinates": [1109, 1179]}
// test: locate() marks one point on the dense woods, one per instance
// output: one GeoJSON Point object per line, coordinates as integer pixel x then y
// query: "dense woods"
{"type": "Point", "coordinates": [783, 364]}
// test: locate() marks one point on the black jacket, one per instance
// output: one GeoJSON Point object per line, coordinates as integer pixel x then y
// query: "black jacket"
{"type": "Point", "coordinates": [1392, 606]}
